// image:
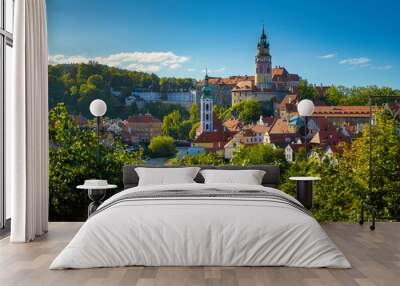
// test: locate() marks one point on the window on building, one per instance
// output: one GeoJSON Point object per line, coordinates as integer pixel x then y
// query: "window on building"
{"type": "Point", "coordinates": [6, 62]}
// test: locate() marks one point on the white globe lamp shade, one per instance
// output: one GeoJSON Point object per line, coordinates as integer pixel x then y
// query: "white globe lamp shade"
{"type": "Point", "coordinates": [98, 107]}
{"type": "Point", "coordinates": [305, 107]}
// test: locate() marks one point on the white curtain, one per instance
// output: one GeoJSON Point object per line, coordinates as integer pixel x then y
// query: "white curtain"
{"type": "Point", "coordinates": [27, 124]}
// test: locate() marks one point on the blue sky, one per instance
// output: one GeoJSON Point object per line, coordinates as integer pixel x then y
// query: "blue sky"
{"type": "Point", "coordinates": [331, 42]}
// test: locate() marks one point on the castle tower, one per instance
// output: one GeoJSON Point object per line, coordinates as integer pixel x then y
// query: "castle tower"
{"type": "Point", "coordinates": [206, 108]}
{"type": "Point", "coordinates": [263, 64]}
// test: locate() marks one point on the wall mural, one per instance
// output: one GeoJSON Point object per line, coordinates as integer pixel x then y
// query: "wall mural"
{"type": "Point", "coordinates": [216, 117]}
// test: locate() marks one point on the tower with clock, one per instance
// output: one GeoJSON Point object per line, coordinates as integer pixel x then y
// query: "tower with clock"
{"type": "Point", "coordinates": [263, 78]}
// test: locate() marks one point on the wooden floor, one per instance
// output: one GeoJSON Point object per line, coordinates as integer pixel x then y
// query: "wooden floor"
{"type": "Point", "coordinates": [375, 257]}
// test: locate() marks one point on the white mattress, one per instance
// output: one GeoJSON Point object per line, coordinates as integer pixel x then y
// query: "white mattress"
{"type": "Point", "coordinates": [202, 232]}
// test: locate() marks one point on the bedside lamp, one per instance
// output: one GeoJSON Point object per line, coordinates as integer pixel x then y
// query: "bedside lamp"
{"type": "Point", "coordinates": [305, 109]}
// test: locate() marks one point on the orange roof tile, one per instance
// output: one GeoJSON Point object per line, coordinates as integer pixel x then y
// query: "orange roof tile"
{"type": "Point", "coordinates": [260, 128]}
{"type": "Point", "coordinates": [232, 124]}
{"type": "Point", "coordinates": [279, 71]}
{"type": "Point", "coordinates": [280, 126]}
{"type": "Point", "coordinates": [268, 120]}
{"type": "Point", "coordinates": [143, 118]}
{"type": "Point", "coordinates": [245, 85]}
{"type": "Point", "coordinates": [282, 138]}
{"type": "Point", "coordinates": [322, 122]}
{"type": "Point", "coordinates": [232, 80]}
{"type": "Point", "coordinates": [341, 111]}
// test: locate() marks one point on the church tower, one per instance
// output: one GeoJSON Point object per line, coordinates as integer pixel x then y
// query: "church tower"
{"type": "Point", "coordinates": [263, 64]}
{"type": "Point", "coordinates": [206, 108]}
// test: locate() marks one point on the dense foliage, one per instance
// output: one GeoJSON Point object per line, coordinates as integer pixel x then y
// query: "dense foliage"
{"type": "Point", "coordinates": [258, 155]}
{"type": "Point", "coordinates": [344, 181]}
{"type": "Point", "coordinates": [179, 126]}
{"type": "Point", "coordinates": [161, 109]}
{"type": "Point", "coordinates": [76, 155]}
{"type": "Point", "coordinates": [76, 85]}
{"type": "Point", "coordinates": [162, 146]}
{"type": "Point", "coordinates": [340, 95]}
{"type": "Point", "coordinates": [247, 111]}
{"type": "Point", "coordinates": [344, 178]}
{"type": "Point", "coordinates": [199, 159]}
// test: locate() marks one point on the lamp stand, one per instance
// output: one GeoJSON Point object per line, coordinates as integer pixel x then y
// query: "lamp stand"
{"type": "Point", "coordinates": [98, 121]}
{"type": "Point", "coordinates": [98, 128]}
{"type": "Point", "coordinates": [305, 137]}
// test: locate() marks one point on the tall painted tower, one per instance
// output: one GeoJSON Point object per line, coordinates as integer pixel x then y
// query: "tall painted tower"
{"type": "Point", "coordinates": [263, 63]}
{"type": "Point", "coordinates": [206, 108]}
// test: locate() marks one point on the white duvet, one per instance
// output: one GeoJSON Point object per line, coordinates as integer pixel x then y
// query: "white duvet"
{"type": "Point", "coordinates": [200, 231]}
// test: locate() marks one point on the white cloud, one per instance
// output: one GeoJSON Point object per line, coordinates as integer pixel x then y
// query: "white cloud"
{"type": "Point", "coordinates": [143, 68]}
{"type": "Point", "coordinates": [175, 66]}
{"type": "Point", "coordinates": [386, 67]}
{"type": "Point", "coordinates": [362, 61]}
{"type": "Point", "coordinates": [191, 69]}
{"type": "Point", "coordinates": [220, 70]}
{"type": "Point", "coordinates": [328, 56]}
{"type": "Point", "coordinates": [143, 61]}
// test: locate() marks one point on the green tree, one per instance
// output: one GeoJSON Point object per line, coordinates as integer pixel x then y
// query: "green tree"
{"type": "Point", "coordinates": [194, 113]}
{"type": "Point", "coordinates": [385, 164]}
{"type": "Point", "coordinates": [171, 124]}
{"type": "Point", "coordinates": [76, 155]}
{"type": "Point", "coordinates": [193, 130]}
{"type": "Point", "coordinates": [258, 155]}
{"type": "Point", "coordinates": [246, 111]}
{"type": "Point", "coordinates": [223, 112]}
{"type": "Point", "coordinates": [162, 146]}
{"type": "Point", "coordinates": [159, 110]}
{"type": "Point", "coordinates": [199, 159]}
{"type": "Point", "coordinates": [307, 91]}
{"type": "Point", "coordinates": [344, 180]}
{"type": "Point", "coordinates": [333, 96]}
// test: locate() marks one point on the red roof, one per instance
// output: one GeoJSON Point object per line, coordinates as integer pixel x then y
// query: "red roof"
{"type": "Point", "coordinates": [330, 137]}
{"type": "Point", "coordinates": [245, 85]}
{"type": "Point", "coordinates": [260, 128]}
{"type": "Point", "coordinates": [282, 138]}
{"type": "Point", "coordinates": [232, 80]}
{"type": "Point", "coordinates": [232, 124]}
{"type": "Point", "coordinates": [279, 71]}
{"type": "Point", "coordinates": [322, 123]}
{"type": "Point", "coordinates": [289, 102]}
{"type": "Point", "coordinates": [248, 132]}
{"type": "Point", "coordinates": [143, 118]}
{"type": "Point", "coordinates": [341, 111]}
{"type": "Point", "coordinates": [268, 120]}
{"type": "Point", "coordinates": [281, 74]}
{"type": "Point", "coordinates": [280, 126]}
{"type": "Point", "coordinates": [218, 138]}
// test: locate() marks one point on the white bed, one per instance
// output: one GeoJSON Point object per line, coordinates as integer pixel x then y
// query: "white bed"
{"type": "Point", "coordinates": [202, 231]}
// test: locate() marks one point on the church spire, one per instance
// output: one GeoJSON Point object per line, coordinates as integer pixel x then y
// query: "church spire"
{"type": "Point", "coordinates": [206, 107]}
{"type": "Point", "coordinates": [262, 42]}
{"type": "Point", "coordinates": [206, 87]}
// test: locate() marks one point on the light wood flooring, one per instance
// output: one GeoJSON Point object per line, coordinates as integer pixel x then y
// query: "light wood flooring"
{"type": "Point", "coordinates": [375, 256]}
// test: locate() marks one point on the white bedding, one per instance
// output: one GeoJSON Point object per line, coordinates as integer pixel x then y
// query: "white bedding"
{"type": "Point", "coordinates": [200, 231]}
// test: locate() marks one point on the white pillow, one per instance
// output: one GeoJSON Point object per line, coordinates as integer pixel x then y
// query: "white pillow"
{"type": "Point", "coordinates": [166, 176]}
{"type": "Point", "coordinates": [248, 177]}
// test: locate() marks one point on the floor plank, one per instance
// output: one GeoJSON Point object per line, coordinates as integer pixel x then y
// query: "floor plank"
{"type": "Point", "coordinates": [375, 257]}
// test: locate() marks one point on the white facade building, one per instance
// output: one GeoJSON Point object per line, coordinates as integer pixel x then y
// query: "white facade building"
{"type": "Point", "coordinates": [147, 95]}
